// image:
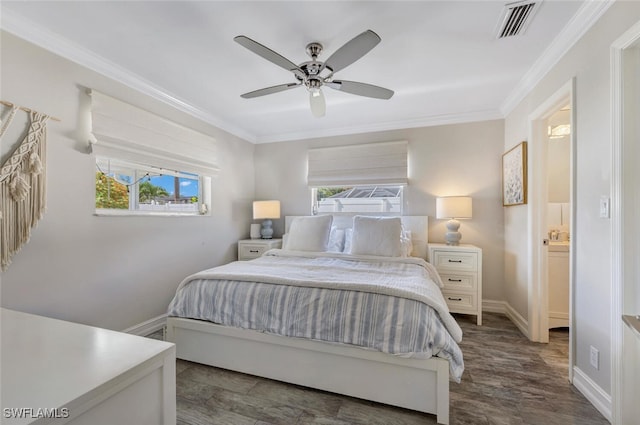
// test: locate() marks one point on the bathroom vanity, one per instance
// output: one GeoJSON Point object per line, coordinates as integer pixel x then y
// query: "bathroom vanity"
{"type": "Point", "coordinates": [558, 266]}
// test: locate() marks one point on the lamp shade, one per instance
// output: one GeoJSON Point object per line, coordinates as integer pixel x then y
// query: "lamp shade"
{"type": "Point", "coordinates": [318, 104]}
{"type": "Point", "coordinates": [454, 207]}
{"type": "Point", "coordinates": [266, 209]}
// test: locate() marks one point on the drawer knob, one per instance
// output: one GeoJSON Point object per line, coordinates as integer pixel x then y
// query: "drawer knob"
{"type": "Point", "coordinates": [454, 280]}
{"type": "Point", "coordinates": [253, 251]}
{"type": "Point", "coordinates": [455, 261]}
{"type": "Point", "coordinates": [454, 299]}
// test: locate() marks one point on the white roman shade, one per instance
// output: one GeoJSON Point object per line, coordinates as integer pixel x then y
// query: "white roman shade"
{"type": "Point", "coordinates": [126, 132]}
{"type": "Point", "coordinates": [375, 163]}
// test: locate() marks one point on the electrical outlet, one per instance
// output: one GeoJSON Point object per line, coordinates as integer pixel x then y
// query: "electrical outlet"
{"type": "Point", "coordinates": [594, 358]}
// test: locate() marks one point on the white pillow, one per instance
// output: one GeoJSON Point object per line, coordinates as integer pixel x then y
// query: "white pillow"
{"type": "Point", "coordinates": [309, 233]}
{"type": "Point", "coordinates": [336, 240]}
{"type": "Point", "coordinates": [376, 236]}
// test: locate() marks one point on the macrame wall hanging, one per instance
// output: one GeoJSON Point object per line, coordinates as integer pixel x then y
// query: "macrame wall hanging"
{"type": "Point", "coordinates": [22, 184]}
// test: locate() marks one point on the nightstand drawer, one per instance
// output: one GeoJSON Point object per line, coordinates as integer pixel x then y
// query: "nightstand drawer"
{"type": "Point", "coordinates": [461, 303]}
{"type": "Point", "coordinates": [248, 249]}
{"type": "Point", "coordinates": [458, 261]}
{"type": "Point", "coordinates": [460, 282]}
{"type": "Point", "coordinates": [251, 251]}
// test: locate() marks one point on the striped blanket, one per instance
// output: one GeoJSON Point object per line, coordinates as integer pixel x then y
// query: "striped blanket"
{"type": "Point", "coordinates": [391, 305]}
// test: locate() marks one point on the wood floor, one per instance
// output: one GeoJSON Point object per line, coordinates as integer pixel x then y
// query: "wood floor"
{"type": "Point", "coordinates": [507, 380]}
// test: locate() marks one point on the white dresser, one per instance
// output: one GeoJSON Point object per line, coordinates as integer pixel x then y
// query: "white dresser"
{"type": "Point", "coordinates": [248, 249]}
{"type": "Point", "coordinates": [57, 372]}
{"type": "Point", "coordinates": [460, 267]}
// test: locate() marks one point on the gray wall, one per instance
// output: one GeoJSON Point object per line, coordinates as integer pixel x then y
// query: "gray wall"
{"type": "Point", "coordinates": [113, 272]}
{"type": "Point", "coordinates": [461, 159]}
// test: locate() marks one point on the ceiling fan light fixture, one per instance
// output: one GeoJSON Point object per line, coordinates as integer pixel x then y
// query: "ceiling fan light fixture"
{"type": "Point", "coordinates": [317, 102]}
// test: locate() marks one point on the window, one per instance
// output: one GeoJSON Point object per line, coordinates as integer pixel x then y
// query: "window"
{"type": "Point", "coordinates": [365, 178]}
{"type": "Point", "coordinates": [126, 186]}
{"type": "Point", "coordinates": [148, 164]}
{"type": "Point", "coordinates": [358, 199]}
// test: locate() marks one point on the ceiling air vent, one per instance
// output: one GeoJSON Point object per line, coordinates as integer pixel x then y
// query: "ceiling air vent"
{"type": "Point", "coordinates": [516, 17]}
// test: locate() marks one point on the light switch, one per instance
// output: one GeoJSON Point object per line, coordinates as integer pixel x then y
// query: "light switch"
{"type": "Point", "coordinates": [604, 207]}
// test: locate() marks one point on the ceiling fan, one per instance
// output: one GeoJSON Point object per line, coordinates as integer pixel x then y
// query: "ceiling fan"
{"type": "Point", "coordinates": [314, 74]}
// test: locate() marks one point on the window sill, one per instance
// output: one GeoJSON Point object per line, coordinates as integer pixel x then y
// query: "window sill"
{"type": "Point", "coordinates": [128, 213]}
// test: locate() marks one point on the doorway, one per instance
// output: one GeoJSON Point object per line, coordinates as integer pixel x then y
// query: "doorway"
{"type": "Point", "coordinates": [558, 217]}
{"type": "Point", "coordinates": [541, 169]}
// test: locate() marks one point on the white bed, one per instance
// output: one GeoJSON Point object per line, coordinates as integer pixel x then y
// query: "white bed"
{"type": "Point", "coordinates": [413, 383]}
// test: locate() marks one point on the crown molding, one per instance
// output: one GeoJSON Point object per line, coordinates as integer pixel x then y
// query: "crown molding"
{"type": "Point", "coordinates": [586, 16]}
{"type": "Point", "coordinates": [580, 23]}
{"type": "Point", "coordinates": [427, 121]}
{"type": "Point", "coordinates": [27, 30]}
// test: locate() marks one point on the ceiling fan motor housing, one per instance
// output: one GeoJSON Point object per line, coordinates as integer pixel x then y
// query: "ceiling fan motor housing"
{"type": "Point", "coordinates": [313, 83]}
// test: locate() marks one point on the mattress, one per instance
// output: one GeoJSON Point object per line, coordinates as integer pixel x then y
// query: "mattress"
{"type": "Point", "coordinates": [392, 305]}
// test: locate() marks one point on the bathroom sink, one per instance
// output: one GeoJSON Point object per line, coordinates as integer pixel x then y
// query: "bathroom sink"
{"type": "Point", "coordinates": [559, 246]}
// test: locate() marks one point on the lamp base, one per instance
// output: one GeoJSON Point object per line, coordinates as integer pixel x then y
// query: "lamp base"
{"type": "Point", "coordinates": [267, 231]}
{"type": "Point", "coordinates": [452, 237]}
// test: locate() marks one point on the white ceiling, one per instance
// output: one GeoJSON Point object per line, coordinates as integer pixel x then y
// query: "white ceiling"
{"type": "Point", "coordinates": [441, 58]}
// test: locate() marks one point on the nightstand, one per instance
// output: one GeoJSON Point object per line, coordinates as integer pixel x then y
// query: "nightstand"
{"type": "Point", "coordinates": [460, 267]}
{"type": "Point", "coordinates": [248, 249]}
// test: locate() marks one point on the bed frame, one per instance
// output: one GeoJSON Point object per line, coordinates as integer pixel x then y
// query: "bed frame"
{"type": "Point", "coordinates": [417, 384]}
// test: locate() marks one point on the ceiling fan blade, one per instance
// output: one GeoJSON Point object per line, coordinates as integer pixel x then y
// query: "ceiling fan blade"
{"type": "Point", "coordinates": [317, 102]}
{"type": "Point", "coordinates": [352, 51]}
{"type": "Point", "coordinates": [269, 54]}
{"type": "Point", "coordinates": [361, 89]}
{"type": "Point", "coordinates": [269, 90]}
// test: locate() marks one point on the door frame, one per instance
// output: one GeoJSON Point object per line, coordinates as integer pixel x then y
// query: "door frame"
{"type": "Point", "coordinates": [623, 177]}
{"type": "Point", "coordinates": [538, 286]}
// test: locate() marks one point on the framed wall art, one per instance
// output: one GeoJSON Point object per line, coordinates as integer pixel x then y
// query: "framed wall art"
{"type": "Point", "coordinates": [514, 176]}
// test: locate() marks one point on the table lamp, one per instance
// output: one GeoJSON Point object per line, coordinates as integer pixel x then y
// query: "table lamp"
{"type": "Point", "coordinates": [266, 210]}
{"type": "Point", "coordinates": [453, 208]}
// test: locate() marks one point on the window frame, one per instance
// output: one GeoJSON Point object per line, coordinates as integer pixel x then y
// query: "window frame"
{"type": "Point", "coordinates": [315, 207]}
{"type": "Point", "coordinates": [137, 173]}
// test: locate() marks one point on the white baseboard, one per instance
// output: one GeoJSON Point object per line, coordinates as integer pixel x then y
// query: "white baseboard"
{"type": "Point", "coordinates": [558, 320]}
{"type": "Point", "coordinates": [493, 306]}
{"type": "Point", "coordinates": [148, 327]}
{"type": "Point", "coordinates": [592, 392]}
{"type": "Point", "coordinates": [520, 322]}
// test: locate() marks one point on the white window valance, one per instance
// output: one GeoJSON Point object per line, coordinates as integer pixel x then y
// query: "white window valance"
{"type": "Point", "coordinates": [124, 131]}
{"type": "Point", "coordinates": [374, 163]}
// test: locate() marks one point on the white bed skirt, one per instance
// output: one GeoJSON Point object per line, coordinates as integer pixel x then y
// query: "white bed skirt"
{"type": "Point", "coordinates": [416, 384]}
